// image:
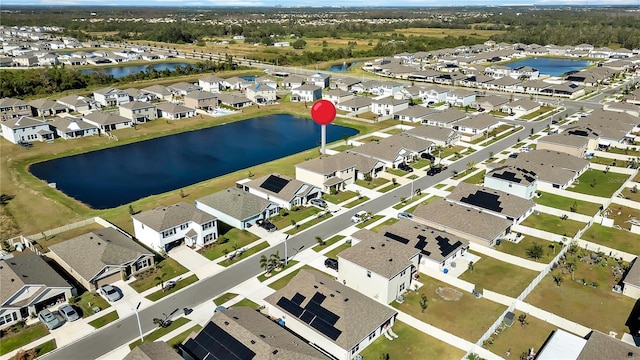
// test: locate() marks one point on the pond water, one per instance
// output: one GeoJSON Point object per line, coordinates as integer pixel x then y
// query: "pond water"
{"type": "Point", "coordinates": [122, 71]}
{"type": "Point", "coordinates": [341, 67]}
{"type": "Point", "coordinates": [116, 176]}
{"type": "Point", "coordinates": [551, 66]}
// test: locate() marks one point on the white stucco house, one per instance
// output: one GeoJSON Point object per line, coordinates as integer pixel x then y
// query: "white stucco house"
{"type": "Point", "coordinates": [110, 96]}
{"type": "Point", "coordinates": [306, 92]}
{"type": "Point", "coordinates": [512, 180]}
{"type": "Point", "coordinates": [236, 207]}
{"type": "Point", "coordinates": [282, 190]}
{"type": "Point", "coordinates": [25, 129]}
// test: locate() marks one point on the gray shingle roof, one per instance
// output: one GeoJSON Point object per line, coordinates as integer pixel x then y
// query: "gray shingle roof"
{"type": "Point", "coordinates": [135, 105]}
{"type": "Point", "coordinates": [359, 315]}
{"type": "Point", "coordinates": [22, 122]}
{"type": "Point", "coordinates": [70, 123]}
{"type": "Point", "coordinates": [157, 350]}
{"type": "Point", "coordinates": [447, 116]}
{"type": "Point", "coordinates": [236, 203]}
{"type": "Point", "coordinates": [472, 195]}
{"type": "Point", "coordinates": [550, 166]}
{"type": "Point", "coordinates": [633, 276]}
{"type": "Point", "coordinates": [292, 188]}
{"type": "Point", "coordinates": [163, 218]}
{"type": "Point", "coordinates": [388, 148]}
{"type": "Point", "coordinates": [357, 102]}
{"type": "Point", "coordinates": [99, 248]}
{"type": "Point", "coordinates": [514, 174]}
{"type": "Point", "coordinates": [566, 139]}
{"type": "Point", "coordinates": [416, 111]}
{"type": "Point", "coordinates": [600, 346]}
{"type": "Point", "coordinates": [173, 108]}
{"type": "Point", "coordinates": [478, 121]}
{"type": "Point", "coordinates": [430, 132]}
{"type": "Point", "coordinates": [341, 161]}
{"type": "Point", "coordinates": [104, 118]}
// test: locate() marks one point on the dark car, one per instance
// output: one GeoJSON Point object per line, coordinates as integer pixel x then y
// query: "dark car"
{"type": "Point", "coordinates": [405, 167]}
{"type": "Point", "coordinates": [513, 155]}
{"type": "Point", "coordinates": [427, 156]}
{"type": "Point", "coordinates": [331, 263]}
{"type": "Point", "coordinates": [267, 225]}
{"type": "Point", "coordinates": [434, 170]}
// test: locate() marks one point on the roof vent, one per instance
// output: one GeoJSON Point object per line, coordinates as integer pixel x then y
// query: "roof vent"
{"type": "Point", "coordinates": [99, 243]}
{"type": "Point", "coordinates": [382, 244]}
{"type": "Point", "coordinates": [315, 286]}
{"type": "Point", "coordinates": [338, 291]}
{"type": "Point", "coordinates": [321, 283]}
{"type": "Point", "coordinates": [390, 260]}
{"type": "Point", "coordinates": [630, 354]}
{"type": "Point", "coordinates": [12, 279]}
{"type": "Point", "coordinates": [373, 248]}
{"type": "Point", "coordinates": [226, 323]}
{"type": "Point", "coordinates": [275, 351]}
{"type": "Point", "coordinates": [253, 341]}
{"type": "Point", "coordinates": [347, 299]}
{"type": "Point", "coordinates": [235, 317]}
{"type": "Point", "coordinates": [91, 237]}
{"type": "Point", "coordinates": [262, 336]}
{"type": "Point", "coordinates": [331, 295]}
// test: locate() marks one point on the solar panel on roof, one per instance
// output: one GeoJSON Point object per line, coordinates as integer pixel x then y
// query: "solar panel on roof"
{"type": "Point", "coordinates": [216, 344]}
{"type": "Point", "coordinates": [445, 246]}
{"type": "Point", "coordinates": [397, 238]}
{"type": "Point", "coordinates": [322, 313]}
{"type": "Point", "coordinates": [298, 298]}
{"type": "Point", "coordinates": [507, 175]}
{"type": "Point", "coordinates": [274, 184]}
{"type": "Point", "coordinates": [307, 316]}
{"type": "Point", "coordinates": [318, 298]}
{"type": "Point", "coordinates": [292, 308]}
{"type": "Point", "coordinates": [328, 330]}
{"type": "Point", "coordinates": [484, 200]}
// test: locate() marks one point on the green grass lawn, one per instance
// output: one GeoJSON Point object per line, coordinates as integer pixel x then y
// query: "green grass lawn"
{"type": "Point", "coordinates": [339, 197]}
{"type": "Point", "coordinates": [518, 339]}
{"type": "Point", "coordinates": [283, 221]}
{"type": "Point", "coordinates": [577, 302]}
{"type": "Point", "coordinates": [178, 339]}
{"type": "Point", "coordinates": [565, 203]}
{"type": "Point", "coordinates": [467, 318]}
{"type": "Point", "coordinates": [599, 183]}
{"type": "Point", "coordinates": [228, 262]}
{"type": "Point", "coordinates": [262, 277]}
{"type": "Point", "coordinates": [420, 164]}
{"type": "Point", "coordinates": [334, 253]}
{"type": "Point", "coordinates": [462, 174]}
{"type": "Point", "coordinates": [342, 148]}
{"type": "Point", "coordinates": [425, 202]}
{"type": "Point", "coordinates": [624, 151]}
{"type": "Point", "coordinates": [554, 224]}
{"type": "Point", "coordinates": [224, 298]}
{"type": "Point", "coordinates": [371, 220]}
{"type": "Point", "coordinates": [234, 237]}
{"type": "Point", "coordinates": [476, 179]}
{"type": "Point", "coordinates": [411, 344]}
{"type": "Point", "coordinates": [356, 202]}
{"type": "Point", "coordinates": [160, 332]}
{"type": "Point", "coordinates": [388, 222]}
{"type": "Point", "coordinates": [451, 150]}
{"type": "Point", "coordinates": [621, 215]}
{"type": "Point", "coordinates": [157, 295]}
{"type": "Point", "coordinates": [389, 188]}
{"type": "Point", "coordinates": [406, 201]}
{"type": "Point", "coordinates": [146, 279]}
{"type": "Point", "coordinates": [328, 243]}
{"type": "Point", "coordinates": [628, 194]}
{"type": "Point", "coordinates": [307, 224]}
{"type": "Point", "coordinates": [520, 249]}
{"type": "Point", "coordinates": [606, 161]}
{"type": "Point", "coordinates": [104, 320]}
{"type": "Point", "coordinates": [489, 273]}
{"type": "Point", "coordinates": [374, 183]}
{"type": "Point", "coordinates": [542, 110]}
{"type": "Point", "coordinates": [439, 186]}
{"type": "Point", "coordinates": [24, 336]}
{"type": "Point", "coordinates": [88, 300]}
{"type": "Point", "coordinates": [498, 138]}
{"type": "Point", "coordinates": [617, 239]}
{"type": "Point", "coordinates": [247, 303]}
{"type": "Point", "coordinates": [637, 178]}
{"type": "Point", "coordinates": [397, 172]}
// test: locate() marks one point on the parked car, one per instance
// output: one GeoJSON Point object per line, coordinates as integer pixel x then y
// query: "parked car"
{"type": "Point", "coordinates": [359, 216]}
{"type": "Point", "coordinates": [405, 167]}
{"type": "Point", "coordinates": [49, 319]}
{"type": "Point", "coordinates": [513, 155]}
{"type": "Point", "coordinates": [427, 156]}
{"type": "Point", "coordinates": [434, 170]}
{"type": "Point", "coordinates": [318, 202]}
{"type": "Point", "coordinates": [266, 224]}
{"type": "Point", "coordinates": [68, 312]}
{"type": "Point", "coordinates": [331, 263]}
{"type": "Point", "coordinates": [405, 215]}
{"type": "Point", "coordinates": [111, 293]}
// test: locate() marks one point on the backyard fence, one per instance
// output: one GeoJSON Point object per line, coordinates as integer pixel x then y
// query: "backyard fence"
{"type": "Point", "coordinates": [62, 229]}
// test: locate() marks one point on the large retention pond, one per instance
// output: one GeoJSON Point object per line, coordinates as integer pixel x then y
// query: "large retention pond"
{"type": "Point", "coordinates": [116, 176]}
{"type": "Point", "coordinates": [551, 66]}
{"type": "Point", "coordinates": [122, 71]}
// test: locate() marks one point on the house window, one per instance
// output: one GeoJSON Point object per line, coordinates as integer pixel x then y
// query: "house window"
{"type": "Point", "coordinates": [207, 225]}
{"type": "Point", "coordinates": [402, 287]}
{"type": "Point", "coordinates": [368, 273]}
{"type": "Point", "coordinates": [184, 226]}
{"type": "Point", "coordinates": [5, 319]}
{"type": "Point", "coordinates": [372, 335]}
{"type": "Point", "coordinates": [143, 263]}
{"type": "Point", "coordinates": [355, 349]}
{"type": "Point", "coordinates": [168, 233]}
{"type": "Point", "coordinates": [207, 238]}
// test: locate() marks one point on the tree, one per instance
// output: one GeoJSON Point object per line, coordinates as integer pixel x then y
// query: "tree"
{"type": "Point", "coordinates": [319, 240]}
{"type": "Point", "coordinates": [299, 44]}
{"type": "Point", "coordinates": [523, 320]}
{"type": "Point", "coordinates": [574, 207]}
{"type": "Point", "coordinates": [274, 260]}
{"type": "Point", "coordinates": [535, 251]}
{"type": "Point", "coordinates": [160, 280]}
{"type": "Point", "coordinates": [264, 264]}
{"type": "Point", "coordinates": [131, 211]}
{"type": "Point", "coordinates": [557, 278]}
{"type": "Point", "coordinates": [552, 246]}
{"type": "Point", "coordinates": [470, 165]}
{"type": "Point", "coordinates": [345, 137]}
{"type": "Point", "coordinates": [394, 181]}
{"type": "Point", "coordinates": [423, 302]}
{"type": "Point", "coordinates": [571, 268]}
{"type": "Point", "coordinates": [470, 266]}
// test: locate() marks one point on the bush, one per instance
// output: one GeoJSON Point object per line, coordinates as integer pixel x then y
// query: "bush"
{"type": "Point", "coordinates": [72, 300]}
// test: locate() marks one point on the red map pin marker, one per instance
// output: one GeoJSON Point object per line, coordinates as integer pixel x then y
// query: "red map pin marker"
{"type": "Point", "coordinates": [323, 112]}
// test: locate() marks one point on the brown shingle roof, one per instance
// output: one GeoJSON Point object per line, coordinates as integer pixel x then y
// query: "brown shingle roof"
{"type": "Point", "coordinates": [236, 203]}
{"type": "Point", "coordinates": [292, 188]}
{"type": "Point", "coordinates": [163, 218]}
{"type": "Point", "coordinates": [379, 254]}
{"type": "Point", "coordinates": [633, 276]}
{"type": "Point", "coordinates": [158, 350]}
{"type": "Point", "coordinates": [475, 196]}
{"type": "Point", "coordinates": [600, 346]}
{"type": "Point", "coordinates": [550, 166]}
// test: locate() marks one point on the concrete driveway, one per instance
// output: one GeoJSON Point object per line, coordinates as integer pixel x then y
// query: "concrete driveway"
{"type": "Point", "coordinates": [188, 257]}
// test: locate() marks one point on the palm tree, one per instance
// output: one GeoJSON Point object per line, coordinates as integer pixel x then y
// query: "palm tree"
{"type": "Point", "coordinates": [319, 240]}
{"type": "Point", "coordinates": [571, 267]}
{"type": "Point", "coordinates": [264, 264]}
{"type": "Point", "coordinates": [160, 280]}
{"type": "Point", "coordinates": [523, 320]}
{"type": "Point", "coordinates": [557, 278]}
{"type": "Point", "coordinates": [274, 260]}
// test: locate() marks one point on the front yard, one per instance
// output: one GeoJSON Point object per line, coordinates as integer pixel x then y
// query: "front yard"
{"type": "Point", "coordinates": [411, 344]}
{"type": "Point", "coordinates": [160, 332]}
{"type": "Point", "coordinates": [339, 197]}
{"type": "Point", "coordinates": [327, 243]}
{"type": "Point", "coordinates": [617, 239]}
{"type": "Point", "coordinates": [489, 273]}
{"type": "Point", "coordinates": [598, 183]}
{"type": "Point", "coordinates": [227, 243]}
{"type": "Point", "coordinates": [166, 269]}
{"type": "Point", "coordinates": [292, 217]}
{"type": "Point", "coordinates": [157, 295]}
{"type": "Point", "coordinates": [254, 249]}
{"type": "Point", "coordinates": [88, 300]}
{"type": "Point", "coordinates": [567, 204]}
{"type": "Point", "coordinates": [467, 317]}
{"type": "Point", "coordinates": [554, 224]}
{"type": "Point", "coordinates": [374, 183]}
{"type": "Point", "coordinates": [22, 336]}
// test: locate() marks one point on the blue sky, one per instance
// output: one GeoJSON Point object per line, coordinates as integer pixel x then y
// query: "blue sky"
{"type": "Point", "coordinates": [310, 3]}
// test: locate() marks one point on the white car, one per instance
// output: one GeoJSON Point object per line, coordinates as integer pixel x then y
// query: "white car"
{"type": "Point", "coordinates": [359, 216]}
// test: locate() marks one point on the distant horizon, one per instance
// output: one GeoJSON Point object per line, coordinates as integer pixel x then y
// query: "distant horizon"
{"type": "Point", "coordinates": [318, 4]}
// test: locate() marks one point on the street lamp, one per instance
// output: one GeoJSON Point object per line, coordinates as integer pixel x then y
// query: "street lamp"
{"type": "Point", "coordinates": [138, 318]}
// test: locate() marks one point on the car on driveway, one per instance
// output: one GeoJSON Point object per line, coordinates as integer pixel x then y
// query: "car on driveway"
{"type": "Point", "coordinates": [405, 215]}
{"type": "Point", "coordinates": [49, 319]}
{"type": "Point", "coordinates": [111, 293]}
{"type": "Point", "coordinates": [267, 225]}
{"type": "Point", "coordinates": [319, 203]}
{"type": "Point", "coordinates": [331, 263]}
{"type": "Point", "coordinates": [405, 167]}
{"type": "Point", "coordinates": [68, 312]}
{"type": "Point", "coordinates": [427, 156]}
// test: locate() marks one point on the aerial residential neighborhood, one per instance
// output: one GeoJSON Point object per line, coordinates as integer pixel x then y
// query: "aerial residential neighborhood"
{"type": "Point", "coordinates": [474, 197]}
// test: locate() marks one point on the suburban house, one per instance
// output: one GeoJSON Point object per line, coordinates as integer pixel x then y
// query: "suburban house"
{"type": "Point", "coordinates": [292, 82]}
{"type": "Point", "coordinates": [101, 257]}
{"type": "Point", "coordinates": [337, 96]}
{"type": "Point", "coordinates": [27, 285]}
{"type": "Point", "coordinates": [165, 227]}
{"type": "Point", "coordinates": [173, 111]}
{"type": "Point", "coordinates": [476, 126]}
{"type": "Point", "coordinates": [324, 311]}
{"type": "Point", "coordinates": [395, 149]}
{"type": "Point", "coordinates": [491, 201]}
{"type": "Point", "coordinates": [261, 94]}
{"type": "Point", "coordinates": [440, 136]}
{"type": "Point", "coordinates": [445, 118]}
{"type": "Point", "coordinates": [234, 101]}
{"type": "Point", "coordinates": [414, 114]}
{"type": "Point", "coordinates": [157, 350]}
{"type": "Point", "coordinates": [265, 80]}
{"type": "Point", "coordinates": [110, 97]}
{"type": "Point", "coordinates": [336, 171]}
{"type": "Point", "coordinates": [623, 107]}
{"type": "Point", "coordinates": [612, 128]}
{"type": "Point", "coordinates": [307, 93]}
{"type": "Point", "coordinates": [13, 108]}
{"type": "Point", "coordinates": [243, 333]}
{"type": "Point", "coordinates": [182, 88]}
{"type": "Point", "coordinates": [476, 226]}
{"type": "Point", "coordinates": [631, 281]}
{"type": "Point", "coordinates": [575, 141]}
{"type": "Point", "coordinates": [319, 79]}
{"type": "Point", "coordinates": [211, 83]}
{"type": "Point", "coordinates": [512, 180]}
{"type": "Point", "coordinates": [158, 92]}
{"type": "Point", "coordinates": [506, 83]}
{"type": "Point", "coordinates": [521, 107]}
{"type": "Point", "coordinates": [377, 266]}
{"type": "Point", "coordinates": [525, 72]}
{"type": "Point", "coordinates": [138, 111]}
{"type": "Point", "coordinates": [554, 169]}
{"type": "Point", "coordinates": [491, 102]}
{"type": "Point", "coordinates": [345, 84]}
{"type": "Point", "coordinates": [25, 129]}
{"type": "Point", "coordinates": [71, 127]}
{"type": "Point", "coordinates": [138, 95]}
{"type": "Point", "coordinates": [46, 108]}
{"type": "Point", "coordinates": [386, 88]}
{"type": "Point", "coordinates": [106, 121]}
{"type": "Point", "coordinates": [437, 248]}
{"type": "Point", "coordinates": [201, 99]}
{"type": "Point", "coordinates": [461, 97]}
{"type": "Point", "coordinates": [236, 83]}
{"type": "Point", "coordinates": [388, 106]}
{"type": "Point", "coordinates": [284, 191]}
{"type": "Point", "coordinates": [434, 95]}
{"type": "Point", "coordinates": [236, 207]}
{"type": "Point", "coordinates": [75, 103]}
{"type": "Point", "coordinates": [358, 104]}
{"type": "Point", "coordinates": [596, 345]}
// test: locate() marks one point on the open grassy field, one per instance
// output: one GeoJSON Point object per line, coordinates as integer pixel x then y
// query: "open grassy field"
{"type": "Point", "coordinates": [442, 33]}
{"type": "Point", "coordinates": [488, 273]}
